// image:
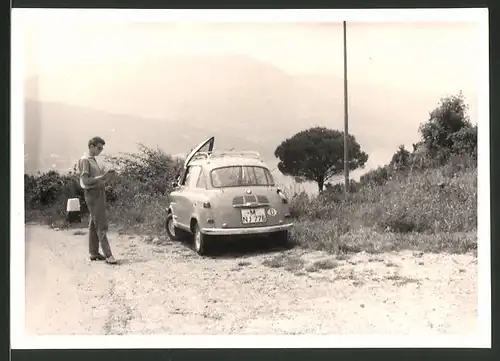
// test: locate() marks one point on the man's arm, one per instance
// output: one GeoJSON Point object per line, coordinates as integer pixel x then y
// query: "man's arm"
{"type": "Point", "coordinates": [85, 174]}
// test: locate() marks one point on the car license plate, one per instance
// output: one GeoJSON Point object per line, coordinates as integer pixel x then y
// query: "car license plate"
{"type": "Point", "coordinates": [254, 215]}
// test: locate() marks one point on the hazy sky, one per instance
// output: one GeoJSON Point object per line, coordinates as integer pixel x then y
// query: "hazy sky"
{"type": "Point", "coordinates": [433, 58]}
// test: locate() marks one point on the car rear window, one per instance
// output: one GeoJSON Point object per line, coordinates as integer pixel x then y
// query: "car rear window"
{"type": "Point", "coordinates": [237, 176]}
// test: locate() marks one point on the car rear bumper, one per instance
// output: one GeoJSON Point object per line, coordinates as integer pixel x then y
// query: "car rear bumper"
{"type": "Point", "coordinates": [245, 231]}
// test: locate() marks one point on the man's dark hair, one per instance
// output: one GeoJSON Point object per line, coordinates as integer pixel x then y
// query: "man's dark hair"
{"type": "Point", "coordinates": [96, 141]}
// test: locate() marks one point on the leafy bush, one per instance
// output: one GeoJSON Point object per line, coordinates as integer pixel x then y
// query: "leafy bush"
{"type": "Point", "coordinates": [337, 190]}
{"type": "Point", "coordinates": [376, 177]}
{"type": "Point", "coordinates": [401, 159]}
{"type": "Point", "coordinates": [449, 130]}
{"type": "Point", "coordinates": [47, 189]}
{"type": "Point", "coordinates": [140, 187]}
{"type": "Point", "coordinates": [44, 189]}
{"type": "Point", "coordinates": [465, 141]}
{"type": "Point", "coordinates": [150, 171]}
{"type": "Point", "coordinates": [300, 205]}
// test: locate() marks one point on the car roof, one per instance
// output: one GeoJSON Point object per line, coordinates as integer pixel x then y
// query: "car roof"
{"type": "Point", "coordinates": [228, 161]}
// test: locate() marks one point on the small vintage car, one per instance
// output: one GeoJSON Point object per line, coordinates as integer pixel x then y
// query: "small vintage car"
{"type": "Point", "coordinates": [226, 193]}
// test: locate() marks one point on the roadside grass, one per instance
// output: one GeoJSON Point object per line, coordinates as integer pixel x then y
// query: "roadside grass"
{"type": "Point", "coordinates": [428, 211]}
{"type": "Point", "coordinates": [296, 264]}
{"type": "Point", "coordinates": [53, 216]}
{"type": "Point", "coordinates": [324, 264]}
{"type": "Point", "coordinates": [289, 263]}
{"type": "Point", "coordinates": [320, 235]}
{"type": "Point", "coordinates": [140, 215]}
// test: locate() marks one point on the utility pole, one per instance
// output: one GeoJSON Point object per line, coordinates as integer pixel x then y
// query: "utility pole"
{"type": "Point", "coordinates": [346, 117]}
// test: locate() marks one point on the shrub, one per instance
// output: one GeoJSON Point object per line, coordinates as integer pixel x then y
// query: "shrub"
{"type": "Point", "coordinates": [449, 130]}
{"type": "Point", "coordinates": [300, 205]}
{"type": "Point", "coordinates": [400, 161]}
{"type": "Point", "coordinates": [140, 187]}
{"type": "Point", "coordinates": [150, 171]}
{"type": "Point", "coordinates": [377, 176]}
{"type": "Point", "coordinates": [337, 189]}
{"type": "Point", "coordinates": [465, 141]}
{"type": "Point", "coordinates": [43, 189]}
{"type": "Point", "coordinates": [47, 189]}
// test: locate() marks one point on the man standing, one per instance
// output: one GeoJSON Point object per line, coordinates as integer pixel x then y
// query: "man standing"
{"type": "Point", "coordinates": [92, 181]}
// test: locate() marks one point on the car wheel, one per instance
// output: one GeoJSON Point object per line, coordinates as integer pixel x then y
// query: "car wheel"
{"type": "Point", "coordinates": [174, 233]}
{"type": "Point", "coordinates": [199, 241]}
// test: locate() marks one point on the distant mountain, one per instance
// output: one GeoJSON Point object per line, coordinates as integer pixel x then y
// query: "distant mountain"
{"type": "Point", "coordinates": [58, 134]}
{"type": "Point", "coordinates": [174, 102]}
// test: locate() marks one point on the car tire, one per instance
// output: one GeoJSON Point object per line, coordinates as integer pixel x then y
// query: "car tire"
{"type": "Point", "coordinates": [199, 240]}
{"type": "Point", "coordinates": [283, 239]}
{"type": "Point", "coordinates": [173, 232]}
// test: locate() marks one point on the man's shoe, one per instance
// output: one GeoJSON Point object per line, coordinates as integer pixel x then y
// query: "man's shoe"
{"type": "Point", "coordinates": [111, 260]}
{"type": "Point", "coordinates": [97, 257]}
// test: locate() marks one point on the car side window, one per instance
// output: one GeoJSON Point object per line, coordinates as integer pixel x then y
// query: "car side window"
{"type": "Point", "coordinates": [201, 181]}
{"type": "Point", "coordinates": [192, 177]}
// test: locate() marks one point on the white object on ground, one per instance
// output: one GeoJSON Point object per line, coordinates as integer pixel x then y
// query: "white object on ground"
{"type": "Point", "coordinates": [73, 211]}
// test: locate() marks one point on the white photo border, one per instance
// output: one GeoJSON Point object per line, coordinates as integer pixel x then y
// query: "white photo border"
{"type": "Point", "coordinates": [19, 340]}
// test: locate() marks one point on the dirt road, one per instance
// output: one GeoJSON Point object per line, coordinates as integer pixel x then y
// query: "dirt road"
{"type": "Point", "coordinates": [166, 288]}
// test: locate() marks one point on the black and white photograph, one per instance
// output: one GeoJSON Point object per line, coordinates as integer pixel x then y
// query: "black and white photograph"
{"type": "Point", "coordinates": [192, 175]}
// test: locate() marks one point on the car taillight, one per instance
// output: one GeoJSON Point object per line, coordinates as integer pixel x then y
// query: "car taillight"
{"type": "Point", "coordinates": [206, 204]}
{"type": "Point", "coordinates": [284, 200]}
